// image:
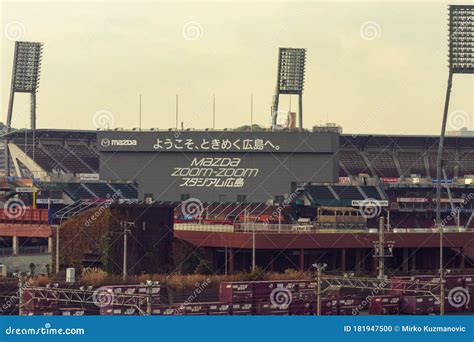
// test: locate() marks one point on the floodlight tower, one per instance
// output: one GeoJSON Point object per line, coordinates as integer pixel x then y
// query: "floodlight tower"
{"type": "Point", "coordinates": [290, 79]}
{"type": "Point", "coordinates": [25, 79]}
{"type": "Point", "coordinates": [461, 61]}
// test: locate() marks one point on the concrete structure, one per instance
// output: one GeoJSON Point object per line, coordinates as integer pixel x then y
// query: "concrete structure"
{"type": "Point", "coordinates": [24, 244]}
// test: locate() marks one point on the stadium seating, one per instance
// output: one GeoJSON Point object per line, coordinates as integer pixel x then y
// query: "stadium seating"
{"type": "Point", "coordinates": [55, 157]}
{"type": "Point", "coordinates": [383, 164]}
{"type": "Point", "coordinates": [40, 157]}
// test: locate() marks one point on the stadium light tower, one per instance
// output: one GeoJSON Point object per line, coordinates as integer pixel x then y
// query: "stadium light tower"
{"type": "Point", "coordinates": [461, 61]}
{"type": "Point", "coordinates": [290, 79]}
{"type": "Point", "coordinates": [25, 79]}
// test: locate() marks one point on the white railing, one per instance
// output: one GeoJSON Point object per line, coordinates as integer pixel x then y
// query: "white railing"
{"type": "Point", "coordinates": [295, 228]}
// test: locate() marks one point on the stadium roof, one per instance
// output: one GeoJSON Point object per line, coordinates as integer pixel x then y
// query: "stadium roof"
{"type": "Point", "coordinates": [346, 139]}
{"type": "Point", "coordinates": [53, 133]}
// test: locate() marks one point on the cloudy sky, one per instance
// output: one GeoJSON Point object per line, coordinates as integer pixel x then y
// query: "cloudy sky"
{"type": "Point", "coordinates": [372, 67]}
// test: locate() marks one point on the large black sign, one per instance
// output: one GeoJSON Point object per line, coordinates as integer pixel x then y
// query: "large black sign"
{"type": "Point", "coordinates": [224, 141]}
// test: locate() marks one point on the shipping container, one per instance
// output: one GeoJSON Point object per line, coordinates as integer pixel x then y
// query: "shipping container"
{"type": "Point", "coordinates": [300, 308]}
{"type": "Point", "coordinates": [236, 292]}
{"type": "Point", "coordinates": [417, 305]}
{"type": "Point", "coordinates": [241, 309]}
{"type": "Point", "coordinates": [219, 309]}
{"type": "Point", "coordinates": [39, 300]}
{"type": "Point", "coordinates": [384, 305]}
{"type": "Point", "coordinates": [269, 309]}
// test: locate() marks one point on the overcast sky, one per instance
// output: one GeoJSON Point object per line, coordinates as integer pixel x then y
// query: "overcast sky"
{"type": "Point", "coordinates": [372, 67]}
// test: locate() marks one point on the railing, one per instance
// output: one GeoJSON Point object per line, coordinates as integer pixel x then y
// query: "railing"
{"type": "Point", "coordinates": [259, 227]}
{"type": "Point", "coordinates": [6, 251]}
{"type": "Point", "coordinates": [32, 250]}
{"type": "Point", "coordinates": [19, 214]}
{"type": "Point", "coordinates": [24, 250]}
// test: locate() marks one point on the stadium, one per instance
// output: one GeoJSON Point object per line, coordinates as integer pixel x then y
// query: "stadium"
{"type": "Point", "coordinates": [354, 208]}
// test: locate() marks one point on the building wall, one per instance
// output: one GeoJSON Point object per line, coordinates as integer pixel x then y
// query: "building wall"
{"type": "Point", "coordinates": [21, 263]}
{"type": "Point", "coordinates": [170, 166]}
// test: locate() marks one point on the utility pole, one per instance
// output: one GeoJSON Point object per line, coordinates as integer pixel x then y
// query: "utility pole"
{"type": "Point", "coordinates": [176, 111]}
{"type": "Point", "coordinates": [251, 112]}
{"type": "Point", "coordinates": [214, 112]}
{"type": "Point", "coordinates": [150, 285]}
{"type": "Point", "coordinates": [57, 249]}
{"type": "Point", "coordinates": [441, 272]}
{"type": "Point", "coordinates": [379, 249]}
{"type": "Point", "coordinates": [253, 240]}
{"type": "Point", "coordinates": [319, 272]}
{"type": "Point", "coordinates": [226, 257]}
{"type": "Point", "coordinates": [126, 225]}
{"type": "Point", "coordinates": [140, 114]}
{"type": "Point", "coordinates": [20, 294]}
{"type": "Point", "coordinates": [382, 249]}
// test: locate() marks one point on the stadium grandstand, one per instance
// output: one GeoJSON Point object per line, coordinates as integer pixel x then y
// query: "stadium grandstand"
{"type": "Point", "coordinates": [64, 165]}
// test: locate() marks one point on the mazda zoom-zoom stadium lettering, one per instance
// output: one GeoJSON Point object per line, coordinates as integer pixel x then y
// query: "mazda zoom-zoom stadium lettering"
{"type": "Point", "coordinates": [215, 172]}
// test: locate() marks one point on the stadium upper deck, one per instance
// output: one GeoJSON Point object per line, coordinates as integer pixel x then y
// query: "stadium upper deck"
{"type": "Point", "coordinates": [384, 156]}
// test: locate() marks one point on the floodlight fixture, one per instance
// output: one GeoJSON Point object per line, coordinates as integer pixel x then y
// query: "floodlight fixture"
{"type": "Point", "coordinates": [27, 67]}
{"type": "Point", "coordinates": [290, 78]}
{"type": "Point", "coordinates": [291, 70]}
{"type": "Point", "coordinates": [461, 39]}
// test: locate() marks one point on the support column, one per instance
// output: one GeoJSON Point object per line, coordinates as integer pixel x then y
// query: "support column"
{"type": "Point", "coordinates": [50, 245]}
{"type": "Point", "coordinates": [231, 260]}
{"type": "Point", "coordinates": [301, 260]}
{"type": "Point", "coordinates": [15, 245]}
{"type": "Point", "coordinates": [343, 260]}
{"type": "Point", "coordinates": [405, 260]}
